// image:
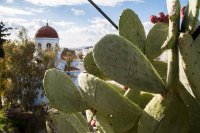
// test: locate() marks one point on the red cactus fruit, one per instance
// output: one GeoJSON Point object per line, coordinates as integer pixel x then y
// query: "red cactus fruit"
{"type": "Point", "coordinates": [167, 16]}
{"type": "Point", "coordinates": [93, 123]}
{"type": "Point", "coordinates": [161, 15]}
{"type": "Point", "coordinates": [125, 88]}
{"type": "Point", "coordinates": [161, 18]}
{"type": "Point", "coordinates": [166, 19]}
{"type": "Point", "coordinates": [182, 12]}
{"type": "Point", "coordinates": [153, 19]}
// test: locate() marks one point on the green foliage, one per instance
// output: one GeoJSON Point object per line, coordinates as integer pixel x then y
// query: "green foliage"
{"type": "Point", "coordinates": [23, 35]}
{"type": "Point", "coordinates": [21, 75]}
{"type": "Point", "coordinates": [2, 120]}
{"type": "Point", "coordinates": [3, 33]}
{"type": "Point", "coordinates": [68, 55]}
{"type": "Point", "coordinates": [173, 109]}
{"type": "Point", "coordinates": [2, 68]}
{"type": "Point", "coordinates": [7, 125]}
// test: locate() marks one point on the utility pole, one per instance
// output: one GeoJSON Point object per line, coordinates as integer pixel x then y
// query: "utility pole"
{"type": "Point", "coordinates": [99, 9]}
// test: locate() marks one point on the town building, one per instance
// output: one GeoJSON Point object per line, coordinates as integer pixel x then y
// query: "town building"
{"type": "Point", "coordinates": [46, 38]}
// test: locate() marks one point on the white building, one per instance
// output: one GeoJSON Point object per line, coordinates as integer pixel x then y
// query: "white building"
{"type": "Point", "coordinates": [46, 38]}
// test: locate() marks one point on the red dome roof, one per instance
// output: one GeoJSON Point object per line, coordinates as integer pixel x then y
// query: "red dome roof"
{"type": "Point", "coordinates": [46, 31]}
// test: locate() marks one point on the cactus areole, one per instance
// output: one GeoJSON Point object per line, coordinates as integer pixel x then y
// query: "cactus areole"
{"type": "Point", "coordinates": [160, 97]}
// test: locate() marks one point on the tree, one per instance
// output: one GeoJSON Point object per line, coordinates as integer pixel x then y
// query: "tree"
{"type": "Point", "coordinates": [68, 55]}
{"type": "Point", "coordinates": [3, 34]}
{"type": "Point", "coordinates": [23, 35]}
{"type": "Point", "coordinates": [2, 84]}
{"type": "Point", "coordinates": [24, 74]}
{"type": "Point", "coordinates": [21, 79]}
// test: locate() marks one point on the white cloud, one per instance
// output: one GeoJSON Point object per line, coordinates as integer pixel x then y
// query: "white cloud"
{"type": "Point", "coordinates": [77, 36]}
{"type": "Point", "coordinates": [7, 11]}
{"type": "Point", "coordinates": [71, 34]}
{"type": "Point", "coordinates": [56, 2]}
{"type": "Point", "coordinates": [75, 2]}
{"type": "Point", "coordinates": [35, 10]}
{"type": "Point", "coordinates": [78, 12]}
{"type": "Point", "coordinates": [9, 1]}
{"type": "Point", "coordinates": [115, 2]}
{"type": "Point", "coordinates": [62, 24]}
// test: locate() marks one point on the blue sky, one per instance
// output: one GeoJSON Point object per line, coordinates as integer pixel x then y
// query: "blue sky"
{"type": "Point", "coordinates": [76, 21]}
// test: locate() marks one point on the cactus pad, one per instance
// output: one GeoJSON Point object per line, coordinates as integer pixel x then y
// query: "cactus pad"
{"type": "Point", "coordinates": [191, 17]}
{"type": "Point", "coordinates": [91, 67]}
{"type": "Point", "coordinates": [131, 28]}
{"type": "Point", "coordinates": [121, 61]}
{"type": "Point", "coordinates": [62, 93]}
{"type": "Point", "coordinates": [156, 37]}
{"type": "Point", "coordinates": [173, 7]}
{"type": "Point", "coordinates": [190, 52]}
{"type": "Point", "coordinates": [107, 100]}
{"type": "Point", "coordinates": [193, 109]}
{"type": "Point", "coordinates": [161, 114]}
{"type": "Point", "coordinates": [104, 123]}
{"type": "Point", "coordinates": [72, 123]}
{"type": "Point", "coordinates": [140, 98]}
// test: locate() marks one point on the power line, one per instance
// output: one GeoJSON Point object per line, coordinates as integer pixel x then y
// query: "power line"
{"type": "Point", "coordinates": [103, 14]}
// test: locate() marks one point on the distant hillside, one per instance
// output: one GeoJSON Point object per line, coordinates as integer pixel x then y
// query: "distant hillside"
{"type": "Point", "coordinates": [79, 48]}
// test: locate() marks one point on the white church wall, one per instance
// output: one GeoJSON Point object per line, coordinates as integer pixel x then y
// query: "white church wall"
{"type": "Point", "coordinates": [45, 41]}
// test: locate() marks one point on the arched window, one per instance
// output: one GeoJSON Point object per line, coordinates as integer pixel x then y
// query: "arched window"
{"type": "Point", "coordinates": [39, 46]}
{"type": "Point", "coordinates": [48, 46]}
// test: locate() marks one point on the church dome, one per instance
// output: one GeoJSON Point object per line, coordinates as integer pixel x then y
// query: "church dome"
{"type": "Point", "coordinates": [47, 32]}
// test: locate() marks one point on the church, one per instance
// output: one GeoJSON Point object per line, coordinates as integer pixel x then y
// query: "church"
{"type": "Point", "coordinates": [46, 38]}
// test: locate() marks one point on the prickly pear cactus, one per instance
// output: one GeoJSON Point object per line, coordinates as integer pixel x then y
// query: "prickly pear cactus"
{"type": "Point", "coordinates": [91, 67]}
{"type": "Point", "coordinates": [156, 37]}
{"type": "Point", "coordinates": [68, 99]}
{"type": "Point", "coordinates": [136, 33]}
{"type": "Point", "coordinates": [161, 115]}
{"type": "Point", "coordinates": [73, 123]}
{"type": "Point", "coordinates": [126, 88]}
{"type": "Point", "coordinates": [190, 52]}
{"type": "Point", "coordinates": [137, 73]}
